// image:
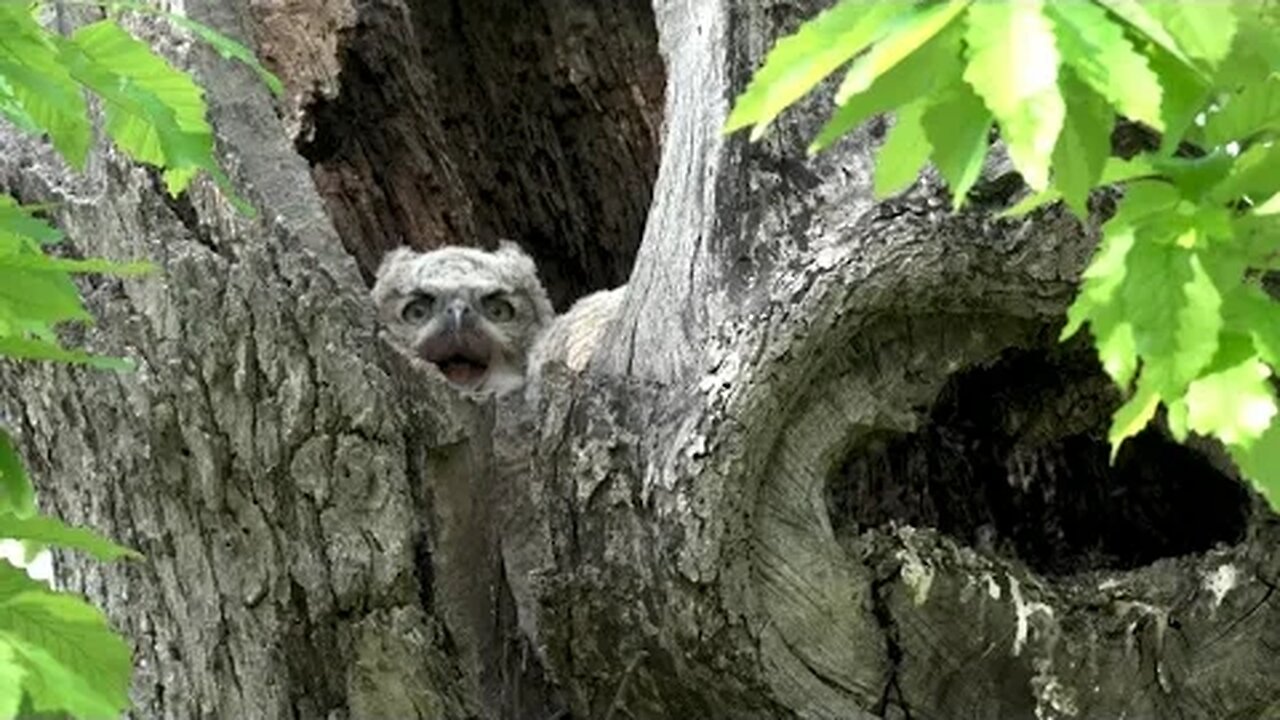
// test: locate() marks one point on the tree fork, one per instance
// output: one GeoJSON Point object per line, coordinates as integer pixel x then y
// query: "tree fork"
{"type": "Point", "coordinates": [689, 529]}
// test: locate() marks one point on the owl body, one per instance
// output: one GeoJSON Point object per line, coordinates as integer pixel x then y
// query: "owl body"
{"type": "Point", "coordinates": [573, 337]}
{"type": "Point", "coordinates": [472, 314]}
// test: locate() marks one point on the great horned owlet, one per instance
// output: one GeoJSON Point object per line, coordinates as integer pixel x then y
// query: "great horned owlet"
{"type": "Point", "coordinates": [472, 314]}
{"type": "Point", "coordinates": [483, 318]}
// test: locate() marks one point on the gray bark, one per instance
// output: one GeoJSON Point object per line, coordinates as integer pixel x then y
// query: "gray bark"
{"type": "Point", "coordinates": [752, 505]}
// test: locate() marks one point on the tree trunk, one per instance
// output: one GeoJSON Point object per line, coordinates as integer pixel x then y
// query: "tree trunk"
{"type": "Point", "coordinates": [829, 462]}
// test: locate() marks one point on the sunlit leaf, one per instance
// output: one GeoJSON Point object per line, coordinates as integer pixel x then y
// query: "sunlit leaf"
{"type": "Point", "coordinates": [801, 60]}
{"type": "Point", "coordinates": [73, 662]}
{"type": "Point", "coordinates": [957, 125]}
{"type": "Point", "coordinates": [18, 220]}
{"type": "Point", "coordinates": [225, 46]}
{"type": "Point", "coordinates": [19, 348]}
{"type": "Point", "coordinates": [904, 152]}
{"type": "Point", "coordinates": [1114, 170]}
{"type": "Point", "coordinates": [1153, 298]}
{"type": "Point", "coordinates": [41, 296]}
{"type": "Point", "coordinates": [1260, 462]}
{"type": "Point", "coordinates": [1254, 110]}
{"type": "Point", "coordinates": [1203, 30]}
{"type": "Point", "coordinates": [1132, 417]}
{"type": "Point", "coordinates": [1253, 175]}
{"type": "Point", "coordinates": [1184, 94]}
{"type": "Point", "coordinates": [1137, 16]}
{"type": "Point", "coordinates": [154, 112]}
{"type": "Point", "coordinates": [37, 261]}
{"type": "Point", "coordinates": [1083, 146]}
{"type": "Point", "coordinates": [1095, 47]}
{"type": "Point", "coordinates": [14, 581]}
{"type": "Point", "coordinates": [51, 531]}
{"type": "Point", "coordinates": [1235, 405]}
{"type": "Point", "coordinates": [1013, 66]}
{"type": "Point", "coordinates": [17, 497]}
{"type": "Point", "coordinates": [1199, 322]}
{"type": "Point", "coordinates": [928, 72]}
{"type": "Point", "coordinates": [907, 34]}
{"type": "Point", "coordinates": [11, 675]}
{"type": "Point", "coordinates": [45, 93]}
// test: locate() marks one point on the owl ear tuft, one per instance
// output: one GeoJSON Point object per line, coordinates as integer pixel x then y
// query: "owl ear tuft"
{"type": "Point", "coordinates": [509, 247]}
{"type": "Point", "coordinates": [401, 254]}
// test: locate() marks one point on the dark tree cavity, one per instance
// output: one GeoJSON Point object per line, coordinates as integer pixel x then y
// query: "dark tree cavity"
{"type": "Point", "coordinates": [462, 123]}
{"type": "Point", "coordinates": [1014, 460]}
{"type": "Point", "coordinates": [829, 462]}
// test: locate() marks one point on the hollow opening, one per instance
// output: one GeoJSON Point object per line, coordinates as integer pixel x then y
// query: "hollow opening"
{"type": "Point", "coordinates": [464, 123]}
{"type": "Point", "coordinates": [1015, 461]}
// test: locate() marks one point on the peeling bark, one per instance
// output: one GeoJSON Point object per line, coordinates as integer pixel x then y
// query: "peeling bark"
{"type": "Point", "coordinates": [828, 463]}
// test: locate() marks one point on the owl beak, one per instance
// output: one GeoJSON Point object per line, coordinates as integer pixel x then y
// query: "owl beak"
{"type": "Point", "coordinates": [457, 316]}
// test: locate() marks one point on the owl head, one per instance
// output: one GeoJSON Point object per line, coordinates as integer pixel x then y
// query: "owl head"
{"type": "Point", "coordinates": [472, 314]}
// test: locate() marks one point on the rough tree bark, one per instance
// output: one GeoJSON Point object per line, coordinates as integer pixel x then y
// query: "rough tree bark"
{"type": "Point", "coordinates": [829, 462]}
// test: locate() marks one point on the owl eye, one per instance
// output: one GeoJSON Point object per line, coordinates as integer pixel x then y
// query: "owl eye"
{"type": "Point", "coordinates": [418, 311]}
{"type": "Point", "coordinates": [498, 308]}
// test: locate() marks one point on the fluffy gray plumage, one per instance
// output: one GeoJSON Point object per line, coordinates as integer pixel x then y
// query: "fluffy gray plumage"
{"type": "Point", "coordinates": [472, 314]}
{"type": "Point", "coordinates": [573, 337]}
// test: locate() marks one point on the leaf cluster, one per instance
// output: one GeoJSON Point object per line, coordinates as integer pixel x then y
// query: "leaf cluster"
{"type": "Point", "coordinates": [57, 653]}
{"type": "Point", "coordinates": [1174, 296]}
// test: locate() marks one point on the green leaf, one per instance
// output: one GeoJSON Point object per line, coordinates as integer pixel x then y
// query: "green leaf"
{"type": "Point", "coordinates": [225, 46]}
{"type": "Point", "coordinates": [1153, 298]}
{"type": "Point", "coordinates": [40, 261]}
{"type": "Point", "coordinates": [923, 74]}
{"type": "Point", "coordinates": [1013, 65]}
{"type": "Point", "coordinates": [801, 60]}
{"type": "Point", "coordinates": [1114, 170]}
{"type": "Point", "coordinates": [1199, 322]}
{"type": "Point", "coordinates": [1102, 277]}
{"type": "Point", "coordinates": [1147, 198]}
{"type": "Point", "coordinates": [12, 110]}
{"type": "Point", "coordinates": [1117, 349]}
{"type": "Point", "coordinates": [1260, 462]}
{"type": "Point", "coordinates": [40, 349]}
{"type": "Point", "coordinates": [1204, 30]}
{"type": "Point", "coordinates": [904, 152]}
{"type": "Point", "coordinates": [51, 531]}
{"type": "Point", "coordinates": [957, 124]}
{"type": "Point", "coordinates": [1136, 15]}
{"type": "Point", "coordinates": [1254, 110]}
{"type": "Point", "coordinates": [1255, 54]}
{"type": "Point", "coordinates": [154, 112]}
{"type": "Point", "coordinates": [909, 32]}
{"type": "Point", "coordinates": [1184, 94]}
{"type": "Point", "coordinates": [40, 85]}
{"type": "Point", "coordinates": [1252, 311]}
{"type": "Point", "coordinates": [1196, 176]}
{"type": "Point", "coordinates": [15, 581]}
{"type": "Point", "coordinates": [1083, 146]}
{"type": "Point", "coordinates": [1252, 174]}
{"type": "Point", "coordinates": [1235, 405]}
{"type": "Point", "coordinates": [1096, 303]}
{"type": "Point", "coordinates": [1132, 417]}
{"type": "Point", "coordinates": [47, 297]}
{"type": "Point", "coordinates": [11, 675]}
{"type": "Point", "coordinates": [74, 662]}
{"type": "Point", "coordinates": [17, 220]}
{"type": "Point", "coordinates": [17, 496]}
{"type": "Point", "coordinates": [1103, 58]}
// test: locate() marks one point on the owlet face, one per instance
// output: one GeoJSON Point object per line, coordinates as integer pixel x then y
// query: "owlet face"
{"type": "Point", "coordinates": [470, 313]}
